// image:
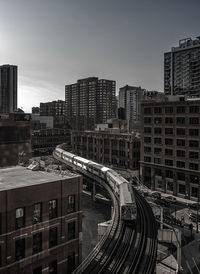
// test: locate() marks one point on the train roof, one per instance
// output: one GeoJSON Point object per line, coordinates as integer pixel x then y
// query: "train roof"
{"type": "Point", "coordinates": [126, 194]}
{"type": "Point", "coordinates": [105, 169]}
{"type": "Point", "coordinates": [82, 159]}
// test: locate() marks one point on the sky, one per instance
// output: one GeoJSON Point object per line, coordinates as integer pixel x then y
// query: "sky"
{"type": "Point", "coordinates": [57, 42]}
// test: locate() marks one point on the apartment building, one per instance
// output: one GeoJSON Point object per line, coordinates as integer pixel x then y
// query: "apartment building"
{"type": "Point", "coordinates": [119, 150]}
{"type": "Point", "coordinates": [170, 146]}
{"type": "Point", "coordinates": [39, 233]}
{"type": "Point", "coordinates": [182, 69]}
{"type": "Point", "coordinates": [90, 101]}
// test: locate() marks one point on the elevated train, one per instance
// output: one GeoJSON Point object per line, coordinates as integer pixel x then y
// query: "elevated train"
{"type": "Point", "coordinates": [118, 184]}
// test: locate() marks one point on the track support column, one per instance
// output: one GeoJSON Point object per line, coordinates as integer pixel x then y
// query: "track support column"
{"type": "Point", "coordinates": [93, 192]}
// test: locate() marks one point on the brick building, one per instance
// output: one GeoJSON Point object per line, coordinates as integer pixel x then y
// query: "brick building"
{"type": "Point", "coordinates": [117, 149]}
{"type": "Point", "coordinates": [170, 146]}
{"type": "Point", "coordinates": [15, 138]}
{"type": "Point", "coordinates": [39, 233]}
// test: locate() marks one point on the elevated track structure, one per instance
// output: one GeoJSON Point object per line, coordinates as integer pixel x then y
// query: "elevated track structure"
{"type": "Point", "coordinates": [126, 247]}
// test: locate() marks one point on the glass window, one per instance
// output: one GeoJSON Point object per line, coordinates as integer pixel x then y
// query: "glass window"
{"type": "Point", "coordinates": [170, 186]}
{"type": "Point", "coordinates": [169, 110]}
{"type": "Point", "coordinates": [157, 150]}
{"type": "Point", "coordinates": [193, 132]}
{"type": "Point", "coordinates": [20, 217]}
{"type": "Point", "coordinates": [147, 149]}
{"type": "Point", "coordinates": [194, 192]}
{"type": "Point", "coordinates": [194, 109]}
{"type": "Point", "coordinates": [37, 242]}
{"type": "Point", "coordinates": [180, 131]}
{"type": "Point", "coordinates": [157, 160]}
{"type": "Point", "coordinates": [158, 141]}
{"type": "Point", "coordinates": [147, 120]}
{"type": "Point", "coordinates": [158, 120]}
{"type": "Point", "coordinates": [168, 120]}
{"type": "Point", "coordinates": [37, 213]}
{"type": "Point", "coordinates": [180, 109]}
{"type": "Point", "coordinates": [71, 230]}
{"type": "Point", "coordinates": [19, 249]}
{"type": "Point", "coordinates": [194, 120]}
{"type": "Point", "coordinates": [71, 203]}
{"type": "Point", "coordinates": [193, 143]}
{"type": "Point", "coordinates": [169, 174]}
{"type": "Point", "coordinates": [158, 130]}
{"type": "Point", "coordinates": [180, 142]}
{"type": "Point", "coordinates": [52, 209]}
{"type": "Point", "coordinates": [180, 164]}
{"type": "Point", "coordinates": [37, 270]}
{"type": "Point", "coordinates": [147, 110]}
{"type": "Point", "coordinates": [71, 263]}
{"type": "Point", "coordinates": [53, 267]}
{"type": "Point", "coordinates": [168, 162]}
{"type": "Point", "coordinates": [180, 153]}
{"type": "Point", "coordinates": [180, 120]}
{"type": "Point", "coordinates": [147, 159]}
{"type": "Point", "coordinates": [157, 110]}
{"type": "Point", "coordinates": [169, 131]}
{"type": "Point", "coordinates": [53, 236]}
{"type": "Point", "coordinates": [147, 139]}
{"type": "Point", "coordinates": [193, 166]}
{"type": "Point", "coordinates": [180, 176]}
{"type": "Point", "coordinates": [168, 152]}
{"type": "Point", "coordinates": [147, 130]}
{"type": "Point", "coordinates": [194, 179]}
{"type": "Point", "coordinates": [168, 142]}
{"type": "Point", "coordinates": [193, 155]}
{"type": "Point", "coordinates": [181, 189]}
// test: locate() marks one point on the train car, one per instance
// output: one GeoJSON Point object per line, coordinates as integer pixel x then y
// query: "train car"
{"type": "Point", "coordinates": [80, 162]}
{"type": "Point", "coordinates": [68, 156]}
{"type": "Point", "coordinates": [95, 169]}
{"type": "Point", "coordinates": [127, 203]}
{"type": "Point", "coordinates": [58, 152]}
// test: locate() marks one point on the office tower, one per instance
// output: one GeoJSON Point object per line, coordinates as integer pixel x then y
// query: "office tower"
{"type": "Point", "coordinates": [8, 89]}
{"type": "Point", "coordinates": [182, 69]}
{"type": "Point", "coordinates": [129, 100]}
{"type": "Point", "coordinates": [170, 146]}
{"type": "Point", "coordinates": [90, 101]}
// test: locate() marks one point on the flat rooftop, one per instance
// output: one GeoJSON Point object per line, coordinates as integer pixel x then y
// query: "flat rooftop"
{"type": "Point", "coordinates": [18, 176]}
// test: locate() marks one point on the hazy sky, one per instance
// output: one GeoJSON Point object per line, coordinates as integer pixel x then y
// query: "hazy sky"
{"type": "Point", "coordinates": [56, 42]}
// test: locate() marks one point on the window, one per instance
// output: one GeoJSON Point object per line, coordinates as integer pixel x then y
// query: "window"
{"type": "Point", "coordinates": [71, 230]}
{"type": "Point", "coordinates": [194, 120]}
{"type": "Point", "coordinates": [71, 203]}
{"type": "Point", "coordinates": [158, 172]}
{"type": "Point", "coordinates": [37, 242]}
{"type": "Point", "coordinates": [180, 142]}
{"type": "Point", "coordinates": [193, 166]}
{"type": "Point", "coordinates": [180, 131]}
{"type": "Point", "coordinates": [181, 189]}
{"type": "Point", "coordinates": [147, 110]}
{"type": "Point", "coordinates": [147, 120]}
{"type": "Point", "coordinates": [193, 155]}
{"type": "Point", "coordinates": [168, 120]}
{"type": "Point", "coordinates": [19, 249]}
{"type": "Point", "coordinates": [71, 263]}
{"type": "Point", "coordinates": [168, 142]}
{"type": "Point", "coordinates": [194, 109]}
{"type": "Point", "coordinates": [194, 192]}
{"type": "Point", "coordinates": [37, 270]}
{"type": "Point", "coordinates": [168, 152]}
{"type": "Point", "coordinates": [157, 160]}
{"type": "Point", "coordinates": [158, 120]}
{"type": "Point", "coordinates": [157, 150]}
{"type": "Point", "coordinates": [147, 149]}
{"type": "Point", "coordinates": [157, 110]}
{"type": "Point", "coordinates": [53, 236]}
{"type": "Point", "coordinates": [169, 110]}
{"type": "Point", "coordinates": [193, 143]}
{"type": "Point", "coordinates": [193, 132]}
{"type": "Point", "coordinates": [169, 131]}
{"type": "Point", "coordinates": [52, 209]}
{"type": "Point", "coordinates": [147, 159]}
{"type": "Point", "coordinates": [180, 109]}
{"type": "Point", "coordinates": [158, 141]}
{"type": "Point", "coordinates": [180, 120]}
{"type": "Point", "coordinates": [170, 186]}
{"type": "Point", "coordinates": [37, 213]}
{"type": "Point", "coordinates": [147, 139]}
{"type": "Point", "coordinates": [53, 267]}
{"type": "Point", "coordinates": [158, 130]}
{"type": "Point", "coordinates": [20, 217]}
{"type": "Point", "coordinates": [180, 176]}
{"type": "Point", "coordinates": [194, 179]}
{"type": "Point", "coordinates": [169, 174]}
{"type": "Point", "coordinates": [147, 130]}
{"type": "Point", "coordinates": [168, 162]}
{"type": "Point", "coordinates": [180, 164]}
{"type": "Point", "coordinates": [180, 153]}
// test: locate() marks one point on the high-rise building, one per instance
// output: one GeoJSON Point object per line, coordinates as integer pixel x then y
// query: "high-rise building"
{"type": "Point", "coordinates": [90, 101]}
{"type": "Point", "coordinates": [8, 89]}
{"type": "Point", "coordinates": [170, 146]}
{"type": "Point", "coordinates": [129, 100]}
{"type": "Point", "coordinates": [182, 69]}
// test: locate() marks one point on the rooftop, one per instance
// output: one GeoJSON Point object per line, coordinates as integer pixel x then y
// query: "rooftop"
{"type": "Point", "coordinates": [16, 177]}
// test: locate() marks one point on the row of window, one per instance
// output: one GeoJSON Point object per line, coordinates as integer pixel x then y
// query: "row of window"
{"type": "Point", "coordinates": [37, 211]}
{"type": "Point", "coordinates": [170, 141]}
{"type": "Point", "coordinates": [37, 241]}
{"type": "Point", "coordinates": [169, 152]}
{"type": "Point", "coordinates": [171, 120]}
{"type": "Point", "coordinates": [171, 110]}
{"type": "Point", "coordinates": [170, 131]}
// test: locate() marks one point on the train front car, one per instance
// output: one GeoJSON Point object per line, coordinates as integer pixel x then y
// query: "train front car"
{"type": "Point", "coordinates": [127, 203]}
{"type": "Point", "coordinates": [58, 152]}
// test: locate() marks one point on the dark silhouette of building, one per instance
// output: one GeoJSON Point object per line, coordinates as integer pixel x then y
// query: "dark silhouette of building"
{"type": "Point", "coordinates": [170, 146]}
{"type": "Point", "coordinates": [41, 222]}
{"type": "Point", "coordinates": [15, 139]}
{"type": "Point", "coordinates": [182, 69]}
{"type": "Point", "coordinates": [35, 110]}
{"type": "Point", "coordinates": [8, 89]}
{"type": "Point", "coordinates": [90, 101]}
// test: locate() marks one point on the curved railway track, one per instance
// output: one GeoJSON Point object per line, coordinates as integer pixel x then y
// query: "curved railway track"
{"type": "Point", "coordinates": [125, 248]}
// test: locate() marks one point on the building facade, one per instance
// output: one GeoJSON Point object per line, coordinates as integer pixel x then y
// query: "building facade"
{"type": "Point", "coordinates": [129, 100]}
{"type": "Point", "coordinates": [170, 145]}
{"type": "Point", "coordinates": [90, 101]}
{"type": "Point", "coordinates": [115, 149]}
{"type": "Point", "coordinates": [39, 233]}
{"type": "Point", "coordinates": [8, 89]}
{"type": "Point", "coordinates": [56, 109]}
{"type": "Point", "coordinates": [182, 69]}
{"type": "Point", "coordinates": [15, 139]}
